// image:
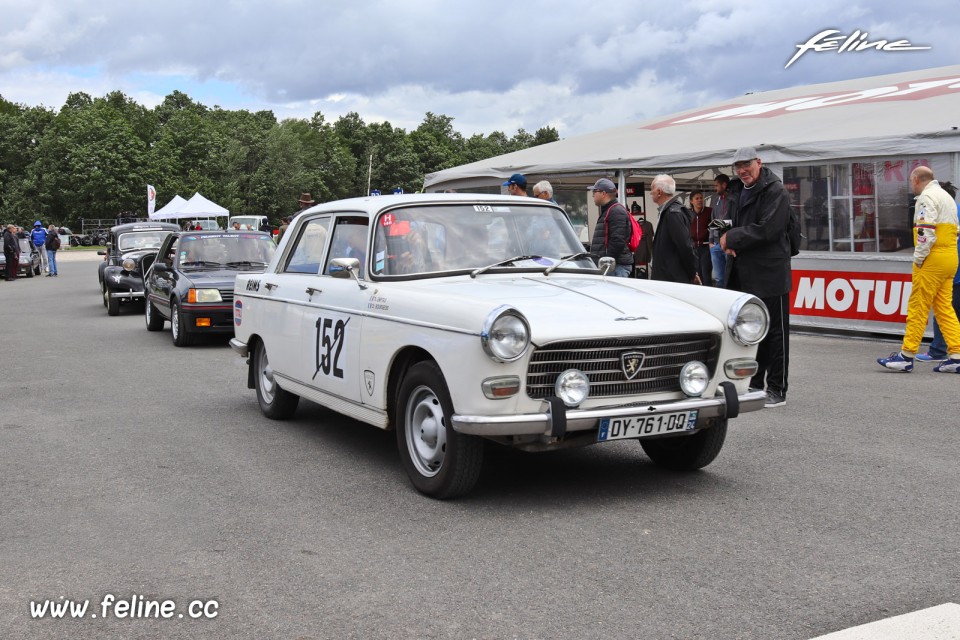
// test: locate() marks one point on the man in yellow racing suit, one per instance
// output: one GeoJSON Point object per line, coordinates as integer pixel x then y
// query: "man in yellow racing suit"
{"type": "Point", "coordinates": [934, 265]}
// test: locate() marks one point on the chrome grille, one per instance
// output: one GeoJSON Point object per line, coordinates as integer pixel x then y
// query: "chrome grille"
{"type": "Point", "coordinates": [226, 296]}
{"type": "Point", "coordinates": [664, 357]}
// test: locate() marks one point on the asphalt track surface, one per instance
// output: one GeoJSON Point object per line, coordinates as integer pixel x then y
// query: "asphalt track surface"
{"type": "Point", "coordinates": [133, 468]}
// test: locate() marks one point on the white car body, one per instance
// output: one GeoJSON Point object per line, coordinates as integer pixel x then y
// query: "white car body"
{"type": "Point", "coordinates": [349, 341]}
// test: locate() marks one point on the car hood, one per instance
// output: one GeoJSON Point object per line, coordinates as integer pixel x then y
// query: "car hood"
{"type": "Point", "coordinates": [559, 306]}
{"type": "Point", "coordinates": [219, 278]}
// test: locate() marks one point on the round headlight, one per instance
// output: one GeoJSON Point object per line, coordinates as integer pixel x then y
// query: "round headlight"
{"type": "Point", "coordinates": [694, 378]}
{"type": "Point", "coordinates": [572, 387]}
{"type": "Point", "coordinates": [505, 335]}
{"type": "Point", "coordinates": [748, 320]}
{"type": "Point", "coordinates": [129, 264]}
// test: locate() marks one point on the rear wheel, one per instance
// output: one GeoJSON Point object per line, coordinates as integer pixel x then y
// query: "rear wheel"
{"type": "Point", "coordinates": [103, 292]}
{"type": "Point", "coordinates": [29, 273]}
{"type": "Point", "coordinates": [275, 403]}
{"type": "Point", "coordinates": [440, 462]}
{"type": "Point", "coordinates": [687, 453]}
{"type": "Point", "coordinates": [154, 319]}
{"type": "Point", "coordinates": [178, 327]}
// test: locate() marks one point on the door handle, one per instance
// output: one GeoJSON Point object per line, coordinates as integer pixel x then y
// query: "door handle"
{"type": "Point", "coordinates": [311, 291]}
{"type": "Point", "coordinates": [270, 286]}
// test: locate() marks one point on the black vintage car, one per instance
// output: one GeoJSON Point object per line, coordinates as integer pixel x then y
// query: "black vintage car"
{"type": "Point", "coordinates": [29, 259]}
{"type": "Point", "coordinates": [131, 249]}
{"type": "Point", "coordinates": [191, 281]}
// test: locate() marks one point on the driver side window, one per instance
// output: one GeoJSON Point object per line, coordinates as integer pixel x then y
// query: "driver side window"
{"type": "Point", "coordinates": [349, 241]}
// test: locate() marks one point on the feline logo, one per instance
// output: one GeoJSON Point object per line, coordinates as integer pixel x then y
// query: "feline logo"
{"type": "Point", "coordinates": [856, 41]}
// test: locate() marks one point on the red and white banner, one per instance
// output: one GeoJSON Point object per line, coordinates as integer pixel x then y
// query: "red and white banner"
{"type": "Point", "coordinates": [850, 295]}
{"type": "Point", "coordinates": [151, 200]}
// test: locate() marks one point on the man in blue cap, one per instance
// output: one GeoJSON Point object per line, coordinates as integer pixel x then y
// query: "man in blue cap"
{"type": "Point", "coordinates": [516, 185]}
{"type": "Point", "coordinates": [38, 237]}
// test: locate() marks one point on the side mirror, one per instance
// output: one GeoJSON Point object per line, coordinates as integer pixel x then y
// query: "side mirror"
{"type": "Point", "coordinates": [159, 267]}
{"type": "Point", "coordinates": [346, 268]}
{"type": "Point", "coordinates": [607, 265]}
{"type": "Point", "coordinates": [101, 253]}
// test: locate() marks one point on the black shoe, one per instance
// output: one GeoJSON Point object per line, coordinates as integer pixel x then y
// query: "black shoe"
{"type": "Point", "coordinates": [50, 275]}
{"type": "Point", "coordinates": [774, 399]}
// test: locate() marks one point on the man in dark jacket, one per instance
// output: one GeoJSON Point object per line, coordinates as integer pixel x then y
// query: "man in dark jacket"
{"type": "Point", "coordinates": [611, 237]}
{"type": "Point", "coordinates": [11, 252]}
{"type": "Point", "coordinates": [759, 263]}
{"type": "Point", "coordinates": [673, 258]}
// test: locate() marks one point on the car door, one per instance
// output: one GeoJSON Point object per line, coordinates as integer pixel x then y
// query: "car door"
{"type": "Point", "coordinates": [328, 311]}
{"type": "Point", "coordinates": [159, 283]}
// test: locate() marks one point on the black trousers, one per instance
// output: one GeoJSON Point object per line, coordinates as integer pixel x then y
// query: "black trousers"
{"type": "Point", "coordinates": [704, 264]}
{"type": "Point", "coordinates": [13, 263]}
{"type": "Point", "coordinates": [773, 352]}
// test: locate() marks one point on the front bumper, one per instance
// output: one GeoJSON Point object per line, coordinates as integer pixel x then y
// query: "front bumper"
{"type": "Point", "coordinates": [556, 420]}
{"type": "Point", "coordinates": [124, 285]}
{"type": "Point", "coordinates": [220, 317]}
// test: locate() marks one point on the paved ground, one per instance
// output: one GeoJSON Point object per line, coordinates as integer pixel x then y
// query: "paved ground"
{"type": "Point", "coordinates": [133, 468]}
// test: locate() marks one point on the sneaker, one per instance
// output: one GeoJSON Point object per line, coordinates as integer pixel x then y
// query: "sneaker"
{"type": "Point", "coordinates": [896, 361]}
{"type": "Point", "coordinates": [926, 357]}
{"type": "Point", "coordinates": [948, 366]}
{"type": "Point", "coordinates": [774, 399]}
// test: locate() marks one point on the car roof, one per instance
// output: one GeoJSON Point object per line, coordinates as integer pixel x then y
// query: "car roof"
{"type": "Point", "coordinates": [143, 226]}
{"type": "Point", "coordinates": [373, 204]}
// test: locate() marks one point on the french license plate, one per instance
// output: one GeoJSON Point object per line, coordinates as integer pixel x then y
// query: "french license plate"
{"type": "Point", "coordinates": [644, 426]}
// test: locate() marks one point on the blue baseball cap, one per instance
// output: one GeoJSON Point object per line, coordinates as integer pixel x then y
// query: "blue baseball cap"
{"type": "Point", "coordinates": [518, 179]}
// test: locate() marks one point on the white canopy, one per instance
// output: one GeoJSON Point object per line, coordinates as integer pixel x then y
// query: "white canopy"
{"type": "Point", "coordinates": [200, 207]}
{"type": "Point", "coordinates": [909, 113]}
{"type": "Point", "coordinates": [169, 210]}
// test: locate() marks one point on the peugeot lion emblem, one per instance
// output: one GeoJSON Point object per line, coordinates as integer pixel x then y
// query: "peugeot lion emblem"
{"type": "Point", "coordinates": [630, 363]}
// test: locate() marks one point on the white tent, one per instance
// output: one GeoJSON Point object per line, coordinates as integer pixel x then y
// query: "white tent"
{"type": "Point", "coordinates": [200, 207]}
{"type": "Point", "coordinates": [169, 210]}
{"type": "Point", "coordinates": [898, 114]}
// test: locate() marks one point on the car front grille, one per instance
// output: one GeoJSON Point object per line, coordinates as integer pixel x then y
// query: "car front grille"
{"type": "Point", "coordinates": [601, 359]}
{"type": "Point", "coordinates": [226, 296]}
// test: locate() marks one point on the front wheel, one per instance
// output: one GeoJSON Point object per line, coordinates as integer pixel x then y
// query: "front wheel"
{"type": "Point", "coordinates": [275, 403]}
{"type": "Point", "coordinates": [112, 304]}
{"type": "Point", "coordinates": [154, 319]}
{"type": "Point", "coordinates": [178, 327]}
{"type": "Point", "coordinates": [687, 453]}
{"type": "Point", "coordinates": [439, 461]}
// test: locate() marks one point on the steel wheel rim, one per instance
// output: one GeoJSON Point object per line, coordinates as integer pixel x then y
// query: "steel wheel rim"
{"type": "Point", "coordinates": [267, 382]}
{"type": "Point", "coordinates": [175, 322]}
{"type": "Point", "coordinates": [147, 311]}
{"type": "Point", "coordinates": [426, 431]}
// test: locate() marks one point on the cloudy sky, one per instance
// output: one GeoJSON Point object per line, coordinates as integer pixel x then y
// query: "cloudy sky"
{"type": "Point", "coordinates": [492, 65]}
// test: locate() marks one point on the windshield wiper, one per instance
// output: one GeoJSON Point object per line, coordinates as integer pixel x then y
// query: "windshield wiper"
{"type": "Point", "coordinates": [502, 263]}
{"type": "Point", "coordinates": [200, 263]}
{"type": "Point", "coordinates": [246, 263]}
{"type": "Point", "coordinates": [572, 256]}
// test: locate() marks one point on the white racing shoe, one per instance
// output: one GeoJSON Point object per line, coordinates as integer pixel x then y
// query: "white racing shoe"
{"type": "Point", "coordinates": [948, 366]}
{"type": "Point", "coordinates": [896, 361]}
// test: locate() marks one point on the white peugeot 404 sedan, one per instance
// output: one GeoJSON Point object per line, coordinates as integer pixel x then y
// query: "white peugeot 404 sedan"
{"type": "Point", "coordinates": [456, 319]}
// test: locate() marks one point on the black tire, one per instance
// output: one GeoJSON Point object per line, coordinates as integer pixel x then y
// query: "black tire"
{"type": "Point", "coordinates": [441, 463]}
{"type": "Point", "coordinates": [112, 304]}
{"type": "Point", "coordinates": [178, 327]}
{"type": "Point", "coordinates": [29, 272]}
{"type": "Point", "coordinates": [103, 292]}
{"type": "Point", "coordinates": [154, 320]}
{"type": "Point", "coordinates": [275, 403]}
{"type": "Point", "coordinates": [687, 453]}
{"type": "Point", "coordinates": [37, 271]}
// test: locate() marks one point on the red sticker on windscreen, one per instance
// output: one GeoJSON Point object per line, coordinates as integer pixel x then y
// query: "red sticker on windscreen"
{"type": "Point", "coordinates": [387, 219]}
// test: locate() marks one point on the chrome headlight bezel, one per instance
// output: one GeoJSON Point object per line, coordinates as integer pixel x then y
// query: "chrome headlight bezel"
{"type": "Point", "coordinates": [745, 313]}
{"type": "Point", "coordinates": [129, 264]}
{"type": "Point", "coordinates": [505, 335]}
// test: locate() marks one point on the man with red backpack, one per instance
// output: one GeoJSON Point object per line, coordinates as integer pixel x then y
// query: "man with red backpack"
{"type": "Point", "coordinates": [614, 230]}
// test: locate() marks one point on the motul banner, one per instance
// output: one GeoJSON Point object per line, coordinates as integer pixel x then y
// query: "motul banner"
{"type": "Point", "coordinates": [880, 297]}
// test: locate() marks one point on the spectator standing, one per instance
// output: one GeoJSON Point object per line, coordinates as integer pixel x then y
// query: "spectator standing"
{"type": "Point", "coordinates": [11, 252]}
{"type": "Point", "coordinates": [719, 210]}
{"type": "Point", "coordinates": [938, 347]}
{"type": "Point", "coordinates": [759, 263]}
{"type": "Point", "coordinates": [700, 236]}
{"type": "Point", "coordinates": [51, 246]}
{"type": "Point", "coordinates": [516, 185]}
{"type": "Point", "coordinates": [38, 238]}
{"type": "Point", "coordinates": [283, 228]}
{"type": "Point", "coordinates": [544, 191]}
{"type": "Point", "coordinates": [611, 236]}
{"type": "Point", "coordinates": [935, 263]}
{"type": "Point", "coordinates": [673, 258]}
{"type": "Point", "coordinates": [644, 253]}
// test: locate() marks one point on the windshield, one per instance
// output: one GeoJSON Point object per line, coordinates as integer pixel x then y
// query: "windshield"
{"type": "Point", "coordinates": [247, 222]}
{"type": "Point", "coordinates": [432, 239]}
{"type": "Point", "coordinates": [233, 250]}
{"type": "Point", "coordinates": [141, 240]}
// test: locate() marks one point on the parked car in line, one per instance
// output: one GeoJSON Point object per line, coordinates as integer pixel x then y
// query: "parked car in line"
{"type": "Point", "coordinates": [191, 281]}
{"type": "Point", "coordinates": [131, 249]}
{"type": "Point", "coordinates": [458, 318]}
{"type": "Point", "coordinates": [30, 264]}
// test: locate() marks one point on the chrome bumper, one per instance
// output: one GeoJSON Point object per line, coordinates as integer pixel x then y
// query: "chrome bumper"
{"type": "Point", "coordinates": [126, 294]}
{"type": "Point", "coordinates": [239, 347]}
{"type": "Point", "coordinates": [585, 419]}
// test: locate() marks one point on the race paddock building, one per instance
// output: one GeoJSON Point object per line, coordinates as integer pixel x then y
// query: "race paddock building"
{"type": "Point", "coordinates": [844, 150]}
